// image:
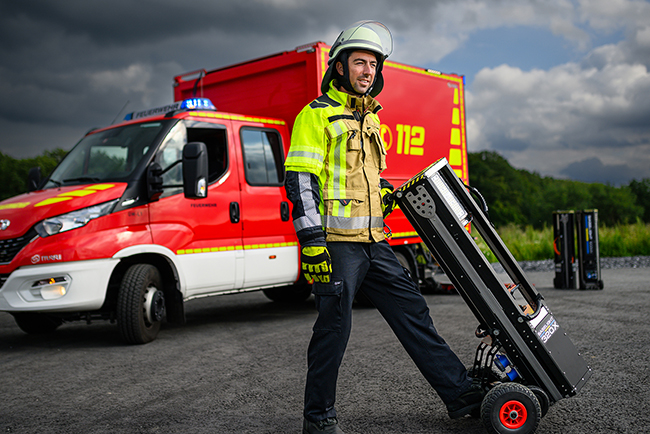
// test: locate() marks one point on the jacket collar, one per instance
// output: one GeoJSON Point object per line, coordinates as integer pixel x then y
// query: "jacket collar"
{"type": "Point", "coordinates": [353, 102]}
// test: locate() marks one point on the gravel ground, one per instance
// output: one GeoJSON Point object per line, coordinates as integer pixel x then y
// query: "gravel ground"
{"type": "Point", "coordinates": [238, 366]}
{"type": "Point", "coordinates": [605, 264]}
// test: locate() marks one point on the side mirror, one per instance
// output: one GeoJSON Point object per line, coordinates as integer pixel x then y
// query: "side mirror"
{"type": "Point", "coordinates": [195, 170]}
{"type": "Point", "coordinates": [33, 179]}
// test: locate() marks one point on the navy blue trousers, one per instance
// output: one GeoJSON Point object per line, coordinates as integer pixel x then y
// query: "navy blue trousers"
{"type": "Point", "coordinates": [374, 269]}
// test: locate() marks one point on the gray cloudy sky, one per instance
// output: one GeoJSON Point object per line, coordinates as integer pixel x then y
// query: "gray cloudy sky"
{"type": "Point", "coordinates": [560, 87]}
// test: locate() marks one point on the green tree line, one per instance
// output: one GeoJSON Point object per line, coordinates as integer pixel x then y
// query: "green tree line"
{"type": "Point", "coordinates": [13, 172]}
{"type": "Point", "coordinates": [518, 197]}
{"type": "Point", "coordinates": [514, 196]}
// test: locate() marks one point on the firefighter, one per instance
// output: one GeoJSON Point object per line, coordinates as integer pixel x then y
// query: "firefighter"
{"type": "Point", "coordinates": [333, 180]}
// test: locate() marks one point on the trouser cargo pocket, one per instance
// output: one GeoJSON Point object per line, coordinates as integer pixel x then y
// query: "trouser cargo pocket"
{"type": "Point", "coordinates": [328, 304]}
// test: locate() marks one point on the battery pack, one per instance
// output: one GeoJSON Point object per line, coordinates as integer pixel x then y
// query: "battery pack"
{"type": "Point", "coordinates": [588, 250]}
{"type": "Point", "coordinates": [564, 249]}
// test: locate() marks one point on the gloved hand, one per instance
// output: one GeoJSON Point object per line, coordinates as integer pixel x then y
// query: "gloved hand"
{"type": "Point", "coordinates": [387, 202]}
{"type": "Point", "coordinates": [316, 263]}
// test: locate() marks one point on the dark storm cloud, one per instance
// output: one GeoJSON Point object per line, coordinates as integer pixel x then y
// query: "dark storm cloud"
{"type": "Point", "coordinates": [76, 63]}
{"type": "Point", "coordinates": [127, 22]}
{"type": "Point", "coordinates": [593, 170]}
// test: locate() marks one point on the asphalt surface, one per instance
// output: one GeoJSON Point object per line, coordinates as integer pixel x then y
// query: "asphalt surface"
{"type": "Point", "coordinates": [239, 365]}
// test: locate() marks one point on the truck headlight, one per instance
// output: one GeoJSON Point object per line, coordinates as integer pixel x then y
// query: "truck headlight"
{"type": "Point", "coordinates": [74, 219]}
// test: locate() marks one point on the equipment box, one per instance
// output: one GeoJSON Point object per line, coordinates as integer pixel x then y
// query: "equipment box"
{"type": "Point", "coordinates": [564, 249]}
{"type": "Point", "coordinates": [520, 335]}
{"type": "Point", "coordinates": [588, 250]}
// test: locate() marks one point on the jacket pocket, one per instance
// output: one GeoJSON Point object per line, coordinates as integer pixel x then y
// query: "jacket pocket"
{"type": "Point", "coordinates": [354, 140]}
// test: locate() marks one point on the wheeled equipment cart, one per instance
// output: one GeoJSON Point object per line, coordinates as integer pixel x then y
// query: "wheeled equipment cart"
{"type": "Point", "coordinates": [524, 359]}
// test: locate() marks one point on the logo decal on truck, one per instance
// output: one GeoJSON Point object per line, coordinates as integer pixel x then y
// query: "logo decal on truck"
{"type": "Point", "coordinates": [4, 224]}
{"type": "Point", "coordinates": [46, 258]}
{"type": "Point", "coordinates": [410, 139]}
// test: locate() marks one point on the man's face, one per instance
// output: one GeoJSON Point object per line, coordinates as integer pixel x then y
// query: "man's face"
{"type": "Point", "coordinates": [363, 67]}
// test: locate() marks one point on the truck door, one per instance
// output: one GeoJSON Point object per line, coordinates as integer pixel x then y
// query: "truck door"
{"type": "Point", "coordinates": [206, 234]}
{"type": "Point", "coordinates": [270, 248]}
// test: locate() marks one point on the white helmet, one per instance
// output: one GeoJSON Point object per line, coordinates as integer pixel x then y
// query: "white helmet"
{"type": "Point", "coordinates": [364, 35]}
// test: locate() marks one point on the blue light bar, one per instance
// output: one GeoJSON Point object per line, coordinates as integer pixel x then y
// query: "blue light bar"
{"type": "Point", "coordinates": [198, 104]}
{"type": "Point", "coordinates": [188, 104]}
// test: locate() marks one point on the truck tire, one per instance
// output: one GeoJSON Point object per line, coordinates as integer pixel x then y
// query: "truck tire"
{"type": "Point", "coordinates": [140, 304]}
{"type": "Point", "coordinates": [289, 294]}
{"type": "Point", "coordinates": [510, 408]}
{"type": "Point", "coordinates": [36, 323]}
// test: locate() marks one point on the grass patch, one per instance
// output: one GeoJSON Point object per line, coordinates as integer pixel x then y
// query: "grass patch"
{"type": "Point", "coordinates": [528, 244]}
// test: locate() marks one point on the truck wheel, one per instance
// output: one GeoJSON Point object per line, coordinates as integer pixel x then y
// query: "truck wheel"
{"type": "Point", "coordinates": [510, 408]}
{"type": "Point", "coordinates": [289, 294]}
{"type": "Point", "coordinates": [140, 304]}
{"type": "Point", "coordinates": [36, 323]}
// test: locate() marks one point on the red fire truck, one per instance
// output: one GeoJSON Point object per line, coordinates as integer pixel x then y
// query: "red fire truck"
{"type": "Point", "coordinates": [187, 200]}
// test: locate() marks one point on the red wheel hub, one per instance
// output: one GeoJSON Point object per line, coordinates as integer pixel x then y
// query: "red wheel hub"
{"type": "Point", "coordinates": [513, 414]}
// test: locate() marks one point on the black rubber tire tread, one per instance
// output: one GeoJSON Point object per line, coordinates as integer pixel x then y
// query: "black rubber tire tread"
{"type": "Point", "coordinates": [503, 393]}
{"type": "Point", "coordinates": [542, 398]}
{"type": "Point", "coordinates": [289, 294]}
{"type": "Point", "coordinates": [130, 309]}
{"type": "Point", "coordinates": [36, 323]}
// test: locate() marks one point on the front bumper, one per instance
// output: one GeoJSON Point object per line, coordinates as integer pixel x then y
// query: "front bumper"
{"type": "Point", "coordinates": [85, 283]}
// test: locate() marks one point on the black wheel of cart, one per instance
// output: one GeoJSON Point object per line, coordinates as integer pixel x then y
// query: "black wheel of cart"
{"type": "Point", "coordinates": [510, 408]}
{"type": "Point", "coordinates": [542, 397]}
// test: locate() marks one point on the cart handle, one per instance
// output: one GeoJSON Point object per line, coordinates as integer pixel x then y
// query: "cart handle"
{"type": "Point", "coordinates": [532, 316]}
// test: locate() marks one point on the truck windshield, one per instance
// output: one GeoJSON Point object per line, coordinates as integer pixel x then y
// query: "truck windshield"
{"type": "Point", "coordinates": [109, 155]}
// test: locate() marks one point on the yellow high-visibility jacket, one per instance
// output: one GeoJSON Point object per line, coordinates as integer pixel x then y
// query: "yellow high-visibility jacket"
{"type": "Point", "coordinates": [333, 168]}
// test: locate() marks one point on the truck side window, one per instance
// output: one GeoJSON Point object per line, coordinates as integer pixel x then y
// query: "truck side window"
{"type": "Point", "coordinates": [171, 151]}
{"type": "Point", "coordinates": [263, 156]}
{"type": "Point", "coordinates": [215, 141]}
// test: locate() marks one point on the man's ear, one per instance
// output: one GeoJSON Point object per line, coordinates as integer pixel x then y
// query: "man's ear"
{"type": "Point", "coordinates": [339, 68]}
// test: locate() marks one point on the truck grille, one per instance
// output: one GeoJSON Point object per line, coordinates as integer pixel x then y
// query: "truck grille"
{"type": "Point", "coordinates": [9, 248]}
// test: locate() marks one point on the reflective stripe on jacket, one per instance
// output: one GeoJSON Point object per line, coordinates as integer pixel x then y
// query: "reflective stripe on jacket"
{"type": "Point", "coordinates": [336, 140]}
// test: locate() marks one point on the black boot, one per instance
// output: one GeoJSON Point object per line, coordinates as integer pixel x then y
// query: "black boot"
{"type": "Point", "coordinates": [326, 426]}
{"type": "Point", "coordinates": [466, 402]}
